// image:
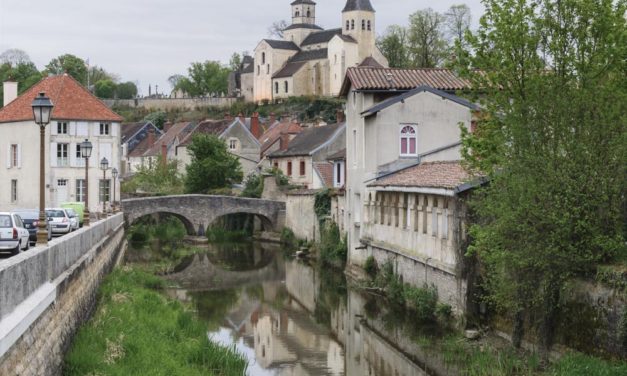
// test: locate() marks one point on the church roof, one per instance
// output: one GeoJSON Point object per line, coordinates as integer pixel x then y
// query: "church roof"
{"type": "Point", "coordinates": [282, 44]}
{"type": "Point", "coordinates": [303, 26]}
{"type": "Point", "coordinates": [289, 69]}
{"type": "Point", "coordinates": [303, 2]}
{"type": "Point", "coordinates": [358, 5]}
{"type": "Point", "coordinates": [371, 62]}
{"type": "Point", "coordinates": [319, 54]}
{"type": "Point", "coordinates": [321, 36]}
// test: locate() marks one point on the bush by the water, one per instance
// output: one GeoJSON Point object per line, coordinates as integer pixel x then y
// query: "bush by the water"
{"type": "Point", "coordinates": [371, 267]}
{"type": "Point", "coordinates": [333, 247]}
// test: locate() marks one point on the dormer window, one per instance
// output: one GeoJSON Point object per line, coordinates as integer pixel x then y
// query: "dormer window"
{"type": "Point", "coordinates": [408, 140]}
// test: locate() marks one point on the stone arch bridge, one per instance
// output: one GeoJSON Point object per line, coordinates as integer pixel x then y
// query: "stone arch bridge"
{"type": "Point", "coordinates": [197, 212]}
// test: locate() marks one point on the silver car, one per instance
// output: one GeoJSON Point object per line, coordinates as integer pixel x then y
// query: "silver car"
{"type": "Point", "coordinates": [59, 221]}
{"type": "Point", "coordinates": [13, 235]}
{"type": "Point", "coordinates": [73, 218]}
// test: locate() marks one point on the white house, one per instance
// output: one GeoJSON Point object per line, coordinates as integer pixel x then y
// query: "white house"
{"type": "Point", "coordinates": [77, 116]}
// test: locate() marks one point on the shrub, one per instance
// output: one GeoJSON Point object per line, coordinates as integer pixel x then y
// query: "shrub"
{"type": "Point", "coordinates": [371, 267]}
{"type": "Point", "coordinates": [622, 331]}
{"type": "Point", "coordinates": [444, 311]}
{"type": "Point", "coordinates": [333, 248]}
{"type": "Point", "coordinates": [423, 301]}
{"type": "Point", "coordinates": [288, 237]}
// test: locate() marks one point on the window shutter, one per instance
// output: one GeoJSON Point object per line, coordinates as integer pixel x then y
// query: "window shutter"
{"type": "Point", "coordinates": [53, 128]}
{"type": "Point", "coordinates": [114, 129]}
{"type": "Point", "coordinates": [9, 156]}
{"type": "Point", "coordinates": [19, 156]}
{"type": "Point", "coordinates": [53, 154]}
{"type": "Point", "coordinates": [72, 153]}
{"type": "Point", "coordinates": [72, 128]}
{"type": "Point", "coordinates": [96, 129]}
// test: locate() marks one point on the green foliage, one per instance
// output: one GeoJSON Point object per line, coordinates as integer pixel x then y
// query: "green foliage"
{"type": "Point", "coordinates": [158, 118]}
{"type": "Point", "coordinates": [613, 276]}
{"type": "Point", "coordinates": [205, 79]}
{"type": "Point", "coordinates": [444, 311]}
{"type": "Point", "coordinates": [220, 235]}
{"type": "Point", "coordinates": [333, 248]}
{"type": "Point", "coordinates": [371, 267]}
{"type": "Point", "coordinates": [156, 178]}
{"type": "Point", "coordinates": [422, 301]}
{"type": "Point", "coordinates": [139, 331]}
{"type": "Point", "coordinates": [212, 166]}
{"type": "Point", "coordinates": [288, 237]}
{"type": "Point", "coordinates": [393, 45]}
{"type": "Point", "coordinates": [25, 73]}
{"type": "Point", "coordinates": [553, 141]}
{"type": "Point", "coordinates": [70, 64]}
{"type": "Point", "coordinates": [322, 204]}
{"type": "Point", "coordinates": [622, 331]}
{"type": "Point", "coordinates": [577, 364]}
{"type": "Point", "coordinates": [427, 45]}
{"type": "Point", "coordinates": [253, 186]}
{"type": "Point", "coordinates": [126, 90]}
{"type": "Point", "coordinates": [105, 89]}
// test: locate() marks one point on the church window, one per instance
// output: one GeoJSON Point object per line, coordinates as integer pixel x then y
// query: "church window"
{"type": "Point", "coordinates": [276, 88]}
{"type": "Point", "coordinates": [258, 70]}
{"type": "Point", "coordinates": [263, 58]}
{"type": "Point", "coordinates": [287, 86]}
{"type": "Point", "coordinates": [408, 141]}
{"type": "Point", "coordinates": [352, 24]}
{"type": "Point", "coordinates": [308, 13]}
{"type": "Point", "coordinates": [335, 58]}
{"type": "Point", "coordinates": [369, 25]}
{"type": "Point", "coordinates": [297, 14]}
{"type": "Point", "coordinates": [348, 24]}
{"type": "Point", "coordinates": [363, 24]}
{"type": "Point", "coordinates": [268, 69]}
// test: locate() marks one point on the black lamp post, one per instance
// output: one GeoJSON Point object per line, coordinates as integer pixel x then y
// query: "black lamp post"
{"type": "Point", "coordinates": [86, 148]}
{"type": "Point", "coordinates": [104, 166]}
{"type": "Point", "coordinates": [42, 110]}
{"type": "Point", "coordinates": [114, 173]}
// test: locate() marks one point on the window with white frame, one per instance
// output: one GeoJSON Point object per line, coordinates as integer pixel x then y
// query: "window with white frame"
{"type": "Point", "coordinates": [80, 161]}
{"type": "Point", "coordinates": [80, 190]}
{"type": "Point", "coordinates": [61, 128]}
{"type": "Point", "coordinates": [13, 190]}
{"type": "Point", "coordinates": [14, 156]}
{"type": "Point", "coordinates": [233, 144]}
{"type": "Point", "coordinates": [105, 129]}
{"type": "Point", "coordinates": [104, 190]}
{"type": "Point", "coordinates": [62, 155]}
{"type": "Point", "coordinates": [408, 140]}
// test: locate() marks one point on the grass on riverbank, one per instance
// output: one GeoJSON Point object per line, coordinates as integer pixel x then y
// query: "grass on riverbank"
{"type": "Point", "coordinates": [137, 331]}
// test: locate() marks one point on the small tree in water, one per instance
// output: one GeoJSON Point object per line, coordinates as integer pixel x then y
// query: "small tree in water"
{"type": "Point", "coordinates": [212, 166]}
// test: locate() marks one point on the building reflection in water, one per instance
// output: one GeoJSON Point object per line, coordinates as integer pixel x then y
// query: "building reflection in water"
{"type": "Point", "coordinates": [299, 322]}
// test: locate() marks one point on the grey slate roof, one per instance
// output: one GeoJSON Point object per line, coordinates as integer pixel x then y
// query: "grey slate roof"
{"type": "Point", "coordinates": [358, 5]}
{"type": "Point", "coordinates": [303, 26]}
{"type": "Point", "coordinates": [321, 36]}
{"type": "Point", "coordinates": [307, 141]}
{"type": "Point", "coordinates": [282, 44]}
{"type": "Point", "coordinates": [303, 2]}
{"type": "Point", "coordinates": [322, 53]}
{"type": "Point", "coordinates": [289, 69]}
{"type": "Point", "coordinates": [387, 103]}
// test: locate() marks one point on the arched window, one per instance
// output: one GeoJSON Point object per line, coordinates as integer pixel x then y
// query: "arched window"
{"type": "Point", "coordinates": [348, 25]}
{"type": "Point", "coordinates": [308, 13]}
{"type": "Point", "coordinates": [258, 70]}
{"type": "Point", "coordinates": [297, 14]}
{"type": "Point", "coordinates": [276, 88]}
{"type": "Point", "coordinates": [369, 25]}
{"type": "Point", "coordinates": [352, 24]}
{"type": "Point", "coordinates": [263, 58]}
{"type": "Point", "coordinates": [408, 141]}
{"type": "Point", "coordinates": [287, 86]}
{"type": "Point", "coordinates": [363, 24]}
{"type": "Point", "coordinates": [268, 69]}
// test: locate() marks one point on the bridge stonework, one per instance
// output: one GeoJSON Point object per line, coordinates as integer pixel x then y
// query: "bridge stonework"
{"type": "Point", "coordinates": [197, 212]}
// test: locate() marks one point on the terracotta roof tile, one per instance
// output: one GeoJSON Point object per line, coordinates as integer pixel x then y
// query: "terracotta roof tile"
{"type": "Point", "coordinates": [373, 78]}
{"type": "Point", "coordinates": [444, 174]}
{"type": "Point", "coordinates": [71, 102]}
{"type": "Point", "coordinates": [168, 138]}
{"type": "Point", "coordinates": [325, 171]}
{"type": "Point", "coordinates": [274, 133]}
{"type": "Point", "coordinates": [214, 127]}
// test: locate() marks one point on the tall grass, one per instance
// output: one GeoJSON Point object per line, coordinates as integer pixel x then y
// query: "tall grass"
{"type": "Point", "coordinates": [137, 331]}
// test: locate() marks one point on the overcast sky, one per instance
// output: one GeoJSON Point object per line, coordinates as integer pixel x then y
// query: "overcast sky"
{"type": "Point", "coordinates": [149, 40]}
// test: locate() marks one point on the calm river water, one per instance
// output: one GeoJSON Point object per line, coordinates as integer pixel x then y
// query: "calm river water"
{"type": "Point", "coordinates": [291, 318]}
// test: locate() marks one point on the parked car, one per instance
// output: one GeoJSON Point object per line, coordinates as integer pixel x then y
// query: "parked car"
{"type": "Point", "coordinates": [13, 235]}
{"type": "Point", "coordinates": [59, 221]}
{"type": "Point", "coordinates": [79, 209]}
{"type": "Point", "coordinates": [73, 218]}
{"type": "Point", "coordinates": [30, 217]}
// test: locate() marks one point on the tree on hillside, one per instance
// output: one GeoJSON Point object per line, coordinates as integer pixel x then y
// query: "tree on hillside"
{"type": "Point", "coordinates": [174, 80]}
{"type": "Point", "coordinates": [105, 89]}
{"type": "Point", "coordinates": [156, 178]}
{"type": "Point", "coordinates": [427, 44]}
{"type": "Point", "coordinates": [26, 75]}
{"type": "Point", "coordinates": [276, 29]}
{"type": "Point", "coordinates": [126, 90]}
{"type": "Point", "coordinates": [97, 73]}
{"type": "Point", "coordinates": [205, 79]}
{"type": "Point", "coordinates": [394, 46]}
{"type": "Point", "coordinates": [235, 62]}
{"type": "Point", "coordinates": [70, 64]}
{"type": "Point", "coordinates": [212, 166]}
{"type": "Point", "coordinates": [14, 57]}
{"type": "Point", "coordinates": [554, 143]}
{"type": "Point", "coordinates": [457, 22]}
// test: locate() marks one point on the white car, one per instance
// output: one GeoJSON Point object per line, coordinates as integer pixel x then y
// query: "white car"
{"type": "Point", "coordinates": [73, 218]}
{"type": "Point", "coordinates": [13, 235]}
{"type": "Point", "coordinates": [59, 221]}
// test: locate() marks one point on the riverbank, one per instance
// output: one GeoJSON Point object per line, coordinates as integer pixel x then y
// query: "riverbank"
{"type": "Point", "coordinates": [138, 331]}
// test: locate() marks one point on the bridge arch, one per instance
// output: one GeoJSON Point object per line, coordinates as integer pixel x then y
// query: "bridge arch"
{"type": "Point", "coordinates": [197, 212]}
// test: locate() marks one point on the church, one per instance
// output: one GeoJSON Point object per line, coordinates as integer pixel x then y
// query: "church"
{"type": "Point", "coordinates": [310, 60]}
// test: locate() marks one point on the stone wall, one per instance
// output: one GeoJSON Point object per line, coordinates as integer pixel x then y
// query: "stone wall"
{"type": "Point", "coordinates": [48, 292]}
{"type": "Point", "coordinates": [301, 216]}
{"type": "Point", "coordinates": [164, 104]}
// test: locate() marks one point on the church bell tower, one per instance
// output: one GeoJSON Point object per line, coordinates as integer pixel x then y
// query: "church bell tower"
{"type": "Point", "coordinates": [303, 12]}
{"type": "Point", "coordinates": [358, 21]}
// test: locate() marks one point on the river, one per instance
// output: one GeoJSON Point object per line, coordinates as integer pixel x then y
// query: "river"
{"type": "Point", "coordinates": [291, 318]}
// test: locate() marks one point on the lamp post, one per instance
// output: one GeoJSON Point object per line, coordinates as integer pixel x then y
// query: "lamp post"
{"type": "Point", "coordinates": [114, 173]}
{"type": "Point", "coordinates": [86, 148]}
{"type": "Point", "coordinates": [104, 166]}
{"type": "Point", "coordinates": [42, 110]}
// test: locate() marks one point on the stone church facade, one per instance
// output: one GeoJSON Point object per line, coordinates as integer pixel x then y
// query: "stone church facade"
{"type": "Point", "coordinates": [310, 60]}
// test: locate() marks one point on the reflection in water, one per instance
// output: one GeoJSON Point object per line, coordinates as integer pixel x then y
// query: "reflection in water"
{"type": "Point", "coordinates": [289, 318]}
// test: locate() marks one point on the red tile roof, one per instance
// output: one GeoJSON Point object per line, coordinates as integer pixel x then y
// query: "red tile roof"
{"type": "Point", "coordinates": [373, 78]}
{"type": "Point", "coordinates": [274, 133]}
{"type": "Point", "coordinates": [179, 129]}
{"type": "Point", "coordinates": [211, 127]}
{"type": "Point", "coordinates": [71, 102]}
{"type": "Point", "coordinates": [325, 171]}
{"type": "Point", "coordinates": [444, 174]}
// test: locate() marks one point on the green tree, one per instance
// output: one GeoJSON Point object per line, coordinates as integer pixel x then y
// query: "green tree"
{"type": "Point", "coordinates": [70, 64]}
{"type": "Point", "coordinates": [394, 46]}
{"type": "Point", "coordinates": [126, 90]}
{"type": "Point", "coordinates": [158, 118]}
{"type": "Point", "coordinates": [156, 178]}
{"type": "Point", "coordinates": [25, 73]}
{"type": "Point", "coordinates": [235, 62]}
{"type": "Point", "coordinates": [212, 166]}
{"type": "Point", "coordinates": [427, 44]}
{"type": "Point", "coordinates": [105, 89]}
{"type": "Point", "coordinates": [205, 79]}
{"type": "Point", "coordinates": [554, 143]}
{"type": "Point", "coordinates": [98, 74]}
{"type": "Point", "coordinates": [457, 21]}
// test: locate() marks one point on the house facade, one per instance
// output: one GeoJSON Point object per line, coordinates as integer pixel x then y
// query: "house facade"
{"type": "Point", "coordinates": [77, 116]}
{"type": "Point", "coordinates": [136, 139]}
{"type": "Point", "coordinates": [310, 60]}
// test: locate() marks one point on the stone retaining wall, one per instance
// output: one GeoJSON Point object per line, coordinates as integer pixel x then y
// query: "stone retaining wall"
{"type": "Point", "coordinates": [165, 104]}
{"type": "Point", "coordinates": [48, 292]}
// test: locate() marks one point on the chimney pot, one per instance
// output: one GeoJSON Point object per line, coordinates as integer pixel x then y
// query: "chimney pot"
{"type": "Point", "coordinates": [255, 128]}
{"type": "Point", "coordinates": [285, 141]}
{"type": "Point", "coordinates": [151, 136]}
{"type": "Point", "coordinates": [164, 154]}
{"type": "Point", "coordinates": [9, 89]}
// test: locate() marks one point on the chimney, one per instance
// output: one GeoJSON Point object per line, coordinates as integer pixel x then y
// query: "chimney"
{"type": "Point", "coordinates": [340, 116]}
{"type": "Point", "coordinates": [164, 154]}
{"type": "Point", "coordinates": [9, 88]}
{"type": "Point", "coordinates": [167, 126]}
{"type": "Point", "coordinates": [285, 141]}
{"type": "Point", "coordinates": [272, 118]}
{"type": "Point", "coordinates": [151, 137]}
{"type": "Point", "coordinates": [241, 118]}
{"type": "Point", "coordinates": [255, 129]}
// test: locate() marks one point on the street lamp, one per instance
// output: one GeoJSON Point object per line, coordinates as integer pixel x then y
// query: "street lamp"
{"type": "Point", "coordinates": [86, 148]}
{"type": "Point", "coordinates": [114, 173]}
{"type": "Point", "coordinates": [42, 110]}
{"type": "Point", "coordinates": [104, 166]}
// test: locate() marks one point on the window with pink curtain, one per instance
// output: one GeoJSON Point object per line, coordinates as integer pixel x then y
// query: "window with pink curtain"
{"type": "Point", "coordinates": [408, 141]}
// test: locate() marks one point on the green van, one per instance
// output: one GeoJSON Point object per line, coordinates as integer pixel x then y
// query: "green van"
{"type": "Point", "coordinates": [79, 208]}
